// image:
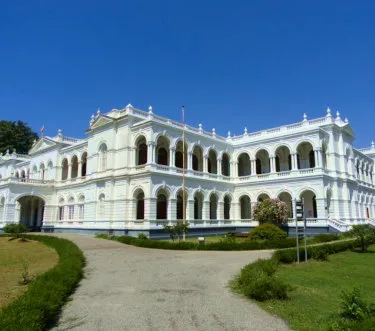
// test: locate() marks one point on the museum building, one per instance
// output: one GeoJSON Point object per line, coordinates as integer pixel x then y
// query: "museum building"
{"type": "Point", "coordinates": [126, 176]}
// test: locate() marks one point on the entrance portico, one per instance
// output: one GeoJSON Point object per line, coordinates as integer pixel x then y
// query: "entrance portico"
{"type": "Point", "coordinates": [30, 211]}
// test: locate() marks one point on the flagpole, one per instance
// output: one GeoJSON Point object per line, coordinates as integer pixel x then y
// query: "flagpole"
{"type": "Point", "coordinates": [183, 171]}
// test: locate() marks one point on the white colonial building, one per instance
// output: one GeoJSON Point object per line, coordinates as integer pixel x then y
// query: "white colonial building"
{"type": "Point", "coordinates": [126, 176]}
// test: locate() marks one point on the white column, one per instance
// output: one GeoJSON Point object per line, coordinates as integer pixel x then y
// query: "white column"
{"type": "Point", "coordinates": [272, 164]}
{"type": "Point", "coordinates": [172, 209]}
{"type": "Point", "coordinates": [205, 163]}
{"type": "Point", "coordinates": [79, 169]}
{"type": "Point", "coordinates": [190, 161]}
{"type": "Point", "coordinates": [220, 210]}
{"type": "Point", "coordinates": [172, 157]}
{"type": "Point", "coordinates": [234, 169]}
{"type": "Point", "coordinates": [69, 171]}
{"type": "Point", "coordinates": [253, 167]}
{"type": "Point", "coordinates": [218, 165]}
{"type": "Point", "coordinates": [206, 210]}
{"type": "Point", "coordinates": [294, 161]}
{"type": "Point", "coordinates": [190, 210]}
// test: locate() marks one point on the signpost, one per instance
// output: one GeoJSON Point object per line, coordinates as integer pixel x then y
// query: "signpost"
{"type": "Point", "coordinates": [300, 217]}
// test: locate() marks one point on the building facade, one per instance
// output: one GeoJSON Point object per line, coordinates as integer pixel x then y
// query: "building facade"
{"type": "Point", "coordinates": [126, 176]}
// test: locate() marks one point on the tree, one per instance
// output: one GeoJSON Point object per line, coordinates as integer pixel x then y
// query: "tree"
{"type": "Point", "coordinates": [364, 234]}
{"type": "Point", "coordinates": [16, 135]}
{"type": "Point", "coordinates": [272, 211]}
{"type": "Point", "coordinates": [177, 230]}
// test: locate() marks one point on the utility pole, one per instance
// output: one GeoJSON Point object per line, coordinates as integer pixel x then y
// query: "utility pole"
{"type": "Point", "coordinates": [183, 172]}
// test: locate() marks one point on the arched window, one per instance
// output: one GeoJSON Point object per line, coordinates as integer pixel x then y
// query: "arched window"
{"type": "Point", "coordinates": [50, 170]}
{"type": "Point", "coordinates": [71, 209]}
{"type": "Point", "coordinates": [84, 164]}
{"type": "Point", "coordinates": [162, 207]}
{"type": "Point", "coordinates": [180, 206]}
{"type": "Point", "coordinates": [103, 157]}
{"type": "Point", "coordinates": [162, 151]}
{"type": "Point", "coordinates": [181, 154]}
{"type": "Point", "coordinates": [101, 207]}
{"type": "Point", "coordinates": [213, 206]}
{"type": "Point", "coordinates": [81, 208]}
{"type": "Point", "coordinates": [197, 158]}
{"type": "Point", "coordinates": [64, 169]}
{"type": "Point", "coordinates": [227, 201]}
{"type": "Point", "coordinates": [283, 159]}
{"type": "Point", "coordinates": [61, 209]}
{"type": "Point", "coordinates": [244, 165]}
{"type": "Point", "coordinates": [305, 156]}
{"type": "Point", "coordinates": [212, 162]}
{"type": "Point", "coordinates": [74, 166]}
{"type": "Point", "coordinates": [245, 207]}
{"type": "Point", "coordinates": [225, 165]}
{"type": "Point", "coordinates": [263, 197]}
{"type": "Point", "coordinates": [141, 151]}
{"type": "Point", "coordinates": [198, 206]}
{"type": "Point", "coordinates": [140, 212]}
{"type": "Point", "coordinates": [262, 162]}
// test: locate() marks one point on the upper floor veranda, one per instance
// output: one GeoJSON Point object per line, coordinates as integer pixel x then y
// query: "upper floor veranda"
{"type": "Point", "coordinates": [130, 141]}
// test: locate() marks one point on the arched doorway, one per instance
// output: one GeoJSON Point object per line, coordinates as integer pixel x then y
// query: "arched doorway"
{"type": "Point", "coordinates": [244, 165]}
{"type": "Point", "coordinates": [31, 211]}
{"type": "Point", "coordinates": [309, 199]}
{"type": "Point", "coordinates": [287, 199]}
{"type": "Point", "coordinates": [262, 162]}
{"type": "Point", "coordinates": [245, 206]}
{"type": "Point", "coordinates": [263, 196]}
{"type": "Point", "coordinates": [162, 205]}
{"type": "Point", "coordinates": [305, 156]}
{"type": "Point", "coordinates": [180, 205]}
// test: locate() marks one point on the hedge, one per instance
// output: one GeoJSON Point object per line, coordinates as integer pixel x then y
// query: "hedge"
{"type": "Point", "coordinates": [223, 245]}
{"type": "Point", "coordinates": [39, 307]}
{"type": "Point", "coordinates": [319, 252]}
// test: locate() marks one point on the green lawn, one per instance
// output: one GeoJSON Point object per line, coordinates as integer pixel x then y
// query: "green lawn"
{"type": "Point", "coordinates": [315, 298]}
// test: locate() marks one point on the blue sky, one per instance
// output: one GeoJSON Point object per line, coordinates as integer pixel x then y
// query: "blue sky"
{"type": "Point", "coordinates": [232, 64]}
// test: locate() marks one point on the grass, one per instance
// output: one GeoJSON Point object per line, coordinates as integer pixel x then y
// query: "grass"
{"type": "Point", "coordinates": [38, 308]}
{"type": "Point", "coordinates": [315, 298]}
{"type": "Point", "coordinates": [13, 255]}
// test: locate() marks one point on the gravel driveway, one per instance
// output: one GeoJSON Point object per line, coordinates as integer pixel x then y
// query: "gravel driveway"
{"type": "Point", "coordinates": [132, 288]}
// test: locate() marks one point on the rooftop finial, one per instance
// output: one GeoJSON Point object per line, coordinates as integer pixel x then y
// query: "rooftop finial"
{"type": "Point", "coordinates": [346, 120]}
{"type": "Point", "coordinates": [338, 116]}
{"type": "Point", "coordinates": [92, 120]}
{"type": "Point", "coordinates": [150, 109]}
{"type": "Point", "coordinates": [329, 111]}
{"type": "Point", "coordinates": [98, 112]}
{"type": "Point", "coordinates": [304, 117]}
{"type": "Point", "coordinates": [200, 127]}
{"type": "Point", "coordinates": [213, 132]}
{"type": "Point", "coordinates": [59, 132]}
{"type": "Point", "coordinates": [228, 134]}
{"type": "Point", "coordinates": [245, 131]}
{"type": "Point", "coordinates": [372, 144]}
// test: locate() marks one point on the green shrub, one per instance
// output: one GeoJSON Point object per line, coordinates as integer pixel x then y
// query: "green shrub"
{"type": "Point", "coordinates": [365, 235]}
{"type": "Point", "coordinates": [142, 236]}
{"type": "Point", "coordinates": [223, 245]}
{"type": "Point", "coordinates": [367, 324]}
{"type": "Point", "coordinates": [353, 307]}
{"type": "Point", "coordinates": [257, 281]}
{"type": "Point", "coordinates": [318, 252]}
{"type": "Point", "coordinates": [324, 238]}
{"type": "Point", "coordinates": [16, 230]}
{"type": "Point", "coordinates": [102, 236]}
{"type": "Point", "coordinates": [267, 231]}
{"type": "Point", "coordinates": [39, 307]}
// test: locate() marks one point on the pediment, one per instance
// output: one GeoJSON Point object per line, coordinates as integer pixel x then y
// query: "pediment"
{"type": "Point", "coordinates": [42, 144]}
{"type": "Point", "coordinates": [101, 121]}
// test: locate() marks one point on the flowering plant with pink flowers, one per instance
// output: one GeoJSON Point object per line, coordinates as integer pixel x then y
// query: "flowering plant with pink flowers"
{"type": "Point", "coordinates": [272, 211]}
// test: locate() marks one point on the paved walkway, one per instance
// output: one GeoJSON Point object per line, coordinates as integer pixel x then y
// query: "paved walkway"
{"type": "Point", "coordinates": [132, 288]}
